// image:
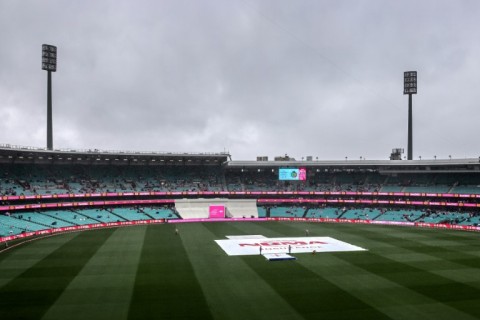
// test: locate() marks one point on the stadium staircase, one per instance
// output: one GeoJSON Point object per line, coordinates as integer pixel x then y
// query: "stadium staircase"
{"type": "Point", "coordinates": [342, 214]}
{"type": "Point", "coordinates": [87, 217]}
{"type": "Point", "coordinates": [145, 213]}
{"type": "Point", "coordinates": [305, 214]}
{"type": "Point", "coordinates": [6, 230]}
{"type": "Point", "coordinates": [224, 183]}
{"type": "Point", "coordinates": [176, 213]}
{"type": "Point", "coordinates": [117, 215]}
{"type": "Point", "coordinates": [25, 225]}
{"type": "Point", "coordinates": [59, 218]}
{"type": "Point", "coordinates": [37, 222]}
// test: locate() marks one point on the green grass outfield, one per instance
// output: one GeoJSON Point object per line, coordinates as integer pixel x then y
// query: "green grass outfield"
{"type": "Point", "coordinates": [149, 272]}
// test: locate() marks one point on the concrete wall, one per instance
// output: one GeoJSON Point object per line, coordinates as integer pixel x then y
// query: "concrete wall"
{"type": "Point", "coordinates": [198, 208]}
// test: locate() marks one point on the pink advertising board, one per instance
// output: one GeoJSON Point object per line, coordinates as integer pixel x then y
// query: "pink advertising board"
{"type": "Point", "coordinates": [216, 211]}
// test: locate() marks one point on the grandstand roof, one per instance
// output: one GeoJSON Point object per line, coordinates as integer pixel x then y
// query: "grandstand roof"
{"type": "Point", "coordinates": [21, 154]}
{"type": "Point", "coordinates": [387, 166]}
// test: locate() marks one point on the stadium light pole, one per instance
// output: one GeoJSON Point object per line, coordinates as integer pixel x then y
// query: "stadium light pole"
{"type": "Point", "coordinates": [49, 63]}
{"type": "Point", "coordinates": [410, 87]}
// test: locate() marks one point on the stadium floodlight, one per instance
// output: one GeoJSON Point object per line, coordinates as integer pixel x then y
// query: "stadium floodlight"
{"type": "Point", "coordinates": [49, 63]}
{"type": "Point", "coordinates": [410, 82]}
{"type": "Point", "coordinates": [49, 58]}
{"type": "Point", "coordinates": [410, 87]}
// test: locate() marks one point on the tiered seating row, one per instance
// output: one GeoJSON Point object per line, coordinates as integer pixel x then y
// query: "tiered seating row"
{"type": "Point", "coordinates": [74, 218]}
{"type": "Point", "coordinates": [331, 213]}
{"type": "Point", "coordinates": [130, 214]}
{"type": "Point", "coordinates": [28, 179]}
{"type": "Point", "coordinates": [297, 212]}
{"type": "Point", "coordinates": [160, 213]}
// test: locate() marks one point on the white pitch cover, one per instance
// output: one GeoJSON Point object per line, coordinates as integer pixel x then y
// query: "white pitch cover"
{"type": "Point", "coordinates": [256, 246]}
{"type": "Point", "coordinates": [254, 236]}
{"type": "Point", "coordinates": [278, 257]}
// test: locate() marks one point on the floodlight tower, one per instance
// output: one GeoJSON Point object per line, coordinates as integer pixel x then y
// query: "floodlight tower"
{"type": "Point", "coordinates": [49, 63]}
{"type": "Point", "coordinates": [410, 87]}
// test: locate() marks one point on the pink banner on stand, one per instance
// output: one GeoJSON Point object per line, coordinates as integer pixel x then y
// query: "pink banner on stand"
{"type": "Point", "coordinates": [216, 211]}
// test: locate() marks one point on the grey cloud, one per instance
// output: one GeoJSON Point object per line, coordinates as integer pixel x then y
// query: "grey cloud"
{"type": "Point", "coordinates": [320, 78]}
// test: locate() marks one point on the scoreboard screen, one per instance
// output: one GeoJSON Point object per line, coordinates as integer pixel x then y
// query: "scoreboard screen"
{"type": "Point", "coordinates": [292, 174]}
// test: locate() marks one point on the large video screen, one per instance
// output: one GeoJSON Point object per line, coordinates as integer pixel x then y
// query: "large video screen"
{"type": "Point", "coordinates": [292, 174]}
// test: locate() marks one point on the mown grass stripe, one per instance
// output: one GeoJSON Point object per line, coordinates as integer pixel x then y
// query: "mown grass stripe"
{"type": "Point", "coordinates": [165, 285]}
{"type": "Point", "coordinates": [462, 295]}
{"type": "Point", "coordinates": [436, 287]}
{"type": "Point", "coordinates": [397, 277]}
{"type": "Point", "coordinates": [383, 239]}
{"type": "Point", "coordinates": [103, 288]}
{"type": "Point", "coordinates": [30, 294]}
{"type": "Point", "coordinates": [438, 251]}
{"type": "Point", "coordinates": [14, 261]}
{"type": "Point", "coordinates": [446, 262]}
{"type": "Point", "coordinates": [287, 229]}
{"type": "Point", "coordinates": [232, 288]}
{"type": "Point", "coordinates": [397, 301]}
{"type": "Point", "coordinates": [308, 293]}
{"type": "Point", "coordinates": [405, 242]}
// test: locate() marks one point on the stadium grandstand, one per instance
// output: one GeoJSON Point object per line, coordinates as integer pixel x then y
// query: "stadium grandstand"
{"type": "Point", "coordinates": [46, 191]}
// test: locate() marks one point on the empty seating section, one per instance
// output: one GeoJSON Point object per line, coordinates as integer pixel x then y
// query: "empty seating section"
{"type": "Point", "coordinates": [361, 214]}
{"type": "Point", "coordinates": [376, 180]}
{"type": "Point", "coordinates": [391, 188]}
{"type": "Point", "coordinates": [262, 212]}
{"type": "Point", "coordinates": [391, 216]}
{"type": "Point", "coordinates": [16, 221]}
{"type": "Point", "coordinates": [359, 181]}
{"type": "Point", "coordinates": [465, 183]}
{"type": "Point", "coordinates": [471, 220]}
{"type": "Point", "coordinates": [130, 214]}
{"type": "Point", "coordinates": [71, 217]}
{"type": "Point", "coordinates": [428, 189]}
{"type": "Point", "coordinates": [320, 181]}
{"type": "Point", "coordinates": [9, 187]}
{"type": "Point", "coordinates": [100, 215]}
{"type": "Point", "coordinates": [445, 217]}
{"type": "Point", "coordinates": [44, 220]}
{"type": "Point", "coordinates": [353, 214]}
{"type": "Point", "coordinates": [296, 212]}
{"type": "Point", "coordinates": [332, 213]}
{"type": "Point", "coordinates": [34, 221]}
{"type": "Point", "coordinates": [235, 187]}
{"type": "Point", "coordinates": [400, 215]}
{"type": "Point", "coordinates": [7, 228]}
{"type": "Point", "coordinates": [160, 213]}
{"type": "Point", "coordinates": [419, 183]}
{"type": "Point", "coordinates": [466, 189]}
{"type": "Point", "coordinates": [28, 179]}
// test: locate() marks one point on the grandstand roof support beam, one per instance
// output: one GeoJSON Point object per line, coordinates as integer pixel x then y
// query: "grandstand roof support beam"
{"type": "Point", "coordinates": [49, 112]}
{"type": "Point", "coordinates": [410, 130]}
{"type": "Point", "coordinates": [49, 64]}
{"type": "Point", "coordinates": [410, 87]}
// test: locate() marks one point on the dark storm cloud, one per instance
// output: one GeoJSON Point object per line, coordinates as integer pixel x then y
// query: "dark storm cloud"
{"type": "Point", "coordinates": [320, 78]}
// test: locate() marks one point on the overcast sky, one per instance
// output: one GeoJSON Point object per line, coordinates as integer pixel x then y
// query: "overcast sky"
{"type": "Point", "coordinates": [304, 78]}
